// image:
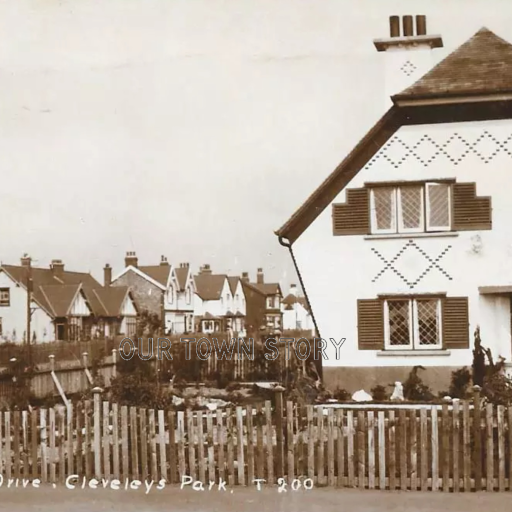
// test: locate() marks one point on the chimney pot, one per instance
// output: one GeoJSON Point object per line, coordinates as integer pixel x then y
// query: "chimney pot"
{"type": "Point", "coordinates": [421, 25]}
{"type": "Point", "coordinates": [131, 259]}
{"type": "Point", "coordinates": [394, 26]}
{"type": "Point", "coordinates": [163, 261]}
{"type": "Point", "coordinates": [407, 25]}
{"type": "Point", "coordinates": [107, 275]}
{"type": "Point", "coordinates": [260, 277]}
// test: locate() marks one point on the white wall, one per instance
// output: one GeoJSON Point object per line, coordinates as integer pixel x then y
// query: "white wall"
{"type": "Point", "coordinates": [338, 270]}
{"type": "Point", "coordinates": [297, 318]}
{"type": "Point", "coordinates": [79, 306]}
{"type": "Point", "coordinates": [14, 317]}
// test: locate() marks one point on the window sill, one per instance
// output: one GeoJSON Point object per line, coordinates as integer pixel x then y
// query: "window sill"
{"type": "Point", "coordinates": [390, 353]}
{"type": "Point", "coordinates": [436, 234]}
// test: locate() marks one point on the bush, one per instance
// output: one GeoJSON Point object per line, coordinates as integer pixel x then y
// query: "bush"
{"type": "Point", "coordinates": [414, 387]}
{"type": "Point", "coordinates": [379, 393]}
{"type": "Point", "coordinates": [460, 382]}
{"type": "Point", "coordinates": [342, 395]}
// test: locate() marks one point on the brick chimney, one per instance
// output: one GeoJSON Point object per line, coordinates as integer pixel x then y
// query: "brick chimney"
{"type": "Point", "coordinates": [245, 277]}
{"type": "Point", "coordinates": [57, 268]}
{"type": "Point", "coordinates": [205, 269]}
{"type": "Point", "coordinates": [26, 261]}
{"type": "Point", "coordinates": [184, 265]}
{"type": "Point", "coordinates": [407, 52]}
{"type": "Point", "coordinates": [163, 261]}
{"type": "Point", "coordinates": [259, 276]}
{"type": "Point", "coordinates": [107, 275]}
{"type": "Point", "coordinates": [131, 259]}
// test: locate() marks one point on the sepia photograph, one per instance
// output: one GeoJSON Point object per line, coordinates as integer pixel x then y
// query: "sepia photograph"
{"type": "Point", "coordinates": [256, 255]}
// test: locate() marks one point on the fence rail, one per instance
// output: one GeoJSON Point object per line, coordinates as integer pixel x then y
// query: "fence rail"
{"type": "Point", "coordinates": [455, 449]}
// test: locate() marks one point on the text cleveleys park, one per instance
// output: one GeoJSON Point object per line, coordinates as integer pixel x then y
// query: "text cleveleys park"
{"type": "Point", "coordinates": [207, 347]}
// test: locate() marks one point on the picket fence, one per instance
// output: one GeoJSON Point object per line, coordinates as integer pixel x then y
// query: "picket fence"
{"type": "Point", "coordinates": [457, 447]}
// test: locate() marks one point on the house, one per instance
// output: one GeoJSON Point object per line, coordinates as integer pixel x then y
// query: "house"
{"type": "Point", "coordinates": [296, 312]}
{"type": "Point", "coordinates": [407, 246]}
{"type": "Point", "coordinates": [263, 304]}
{"type": "Point", "coordinates": [162, 289]}
{"type": "Point", "coordinates": [65, 305]}
{"type": "Point", "coordinates": [219, 303]}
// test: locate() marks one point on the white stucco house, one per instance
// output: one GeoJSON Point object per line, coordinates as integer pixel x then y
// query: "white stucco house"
{"type": "Point", "coordinates": [406, 247]}
{"type": "Point", "coordinates": [296, 312]}
{"type": "Point", "coordinates": [219, 305]}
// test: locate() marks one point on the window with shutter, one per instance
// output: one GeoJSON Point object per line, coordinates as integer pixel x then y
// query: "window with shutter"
{"type": "Point", "coordinates": [370, 324]}
{"type": "Point", "coordinates": [352, 217]}
{"type": "Point", "coordinates": [412, 207]}
{"type": "Point", "coordinates": [469, 211]}
{"type": "Point", "coordinates": [455, 317]}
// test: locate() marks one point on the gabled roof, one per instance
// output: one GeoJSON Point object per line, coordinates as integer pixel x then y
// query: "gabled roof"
{"type": "Point", "coordinates": [233, 283]}
{"type": "Point", "coordinates": [157, 280]}
{"type": "Point", "coordinates": [57, 294]}
{"type": "Point", "coordinates": [159, 273]}
{"type": "Point", "coordinates": [292, 299]}
{"type": "Point", "coordinates": [59, 297]}
{"type": "Point", "coordinates": [209, 286]}
{"type": "Point", "coordinates": [181, 276]}
{"type": "Point", "coordinates": [111, 299]}
{"type": "Point", "coordinates": [430, 100]}
{"type": "Point", "coordinates": [483, 64]}
{"type": "Point", "coordinates": [265, 288]}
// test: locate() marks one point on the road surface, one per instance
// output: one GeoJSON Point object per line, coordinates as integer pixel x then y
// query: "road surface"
{"type": "Point", "coordinates": [60, 499]}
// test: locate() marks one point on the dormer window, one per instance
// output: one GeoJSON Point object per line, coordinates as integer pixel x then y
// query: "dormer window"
{"type": "Point", "coordinates": [411, 208]}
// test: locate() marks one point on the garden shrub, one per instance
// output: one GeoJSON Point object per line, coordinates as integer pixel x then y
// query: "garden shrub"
{"type": "Point", "coordinates": [342, 395]}
{"type": "Point", "coordinates": [414, 387]}
{"type": "Point", "coordinates": [460, 382]}
{"type": "Point", "coordinates": [379, 393]}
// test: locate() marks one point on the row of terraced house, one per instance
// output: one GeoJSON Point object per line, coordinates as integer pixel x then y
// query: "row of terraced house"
{"type": "Point", "coordinates": [73, 306]}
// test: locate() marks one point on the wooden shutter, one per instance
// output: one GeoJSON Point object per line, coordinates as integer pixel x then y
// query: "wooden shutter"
{"type": "Point", "coordinates": [370, 324]}
{"type": "Point", "coordinates": [455, 321]}
{"type": "Point", "coordinates": [352, 217]}
{"type": "Point", "coordinates": [469, 211]}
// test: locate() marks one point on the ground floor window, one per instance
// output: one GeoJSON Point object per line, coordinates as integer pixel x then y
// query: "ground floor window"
{"type": "Point", "coordinates": [412, 323]}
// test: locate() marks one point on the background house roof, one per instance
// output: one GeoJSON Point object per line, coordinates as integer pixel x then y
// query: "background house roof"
{"type": "Point", "coordinates": [59, 297]}
{"type": "Point", "coordinates": [181, 276]}
{"type": "Point", "coordinates": [111, 300]}
{"type": "Point", "coordinates": [483, 64]}
{"type": "Point", "coordinates": [209, 286]}
{"type": "Point", "coordinates": [233, 283]}
{"type": "Point", "coordinates": [55, 294]}
{"type": "Point", "coordinates": [159, 273]}
{"type": "Point", "coordinates": [292, 299]}
{"type": "Point", "coordinates": [265, 288]}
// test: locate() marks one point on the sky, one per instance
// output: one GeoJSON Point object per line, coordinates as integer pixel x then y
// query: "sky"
{"type": "Point", "coordinates": [188, 128]}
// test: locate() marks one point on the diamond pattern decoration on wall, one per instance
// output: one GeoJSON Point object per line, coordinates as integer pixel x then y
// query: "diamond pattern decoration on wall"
{"type": "Point", "coordinates": [408, 68]}
{"type": "Point", "coordinates": [455, 148]}
{"type": "Point", "coordinates": [391, 264]}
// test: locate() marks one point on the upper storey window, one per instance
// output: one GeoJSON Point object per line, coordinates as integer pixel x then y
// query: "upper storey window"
{"type": "Point", "coordinates": [405, 208]}
{"type": "Point", "coordinates": [411, 208]}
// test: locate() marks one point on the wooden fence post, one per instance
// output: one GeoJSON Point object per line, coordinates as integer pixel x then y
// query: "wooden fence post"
{"type": "Point", "coordinates": [114, 363]}
{"type": "Point", "coordinates": [477, 449]}
{"type": "Point", "coordinates": [97, 431]}
{"type": "Point", "coordinates": [279, 431]}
